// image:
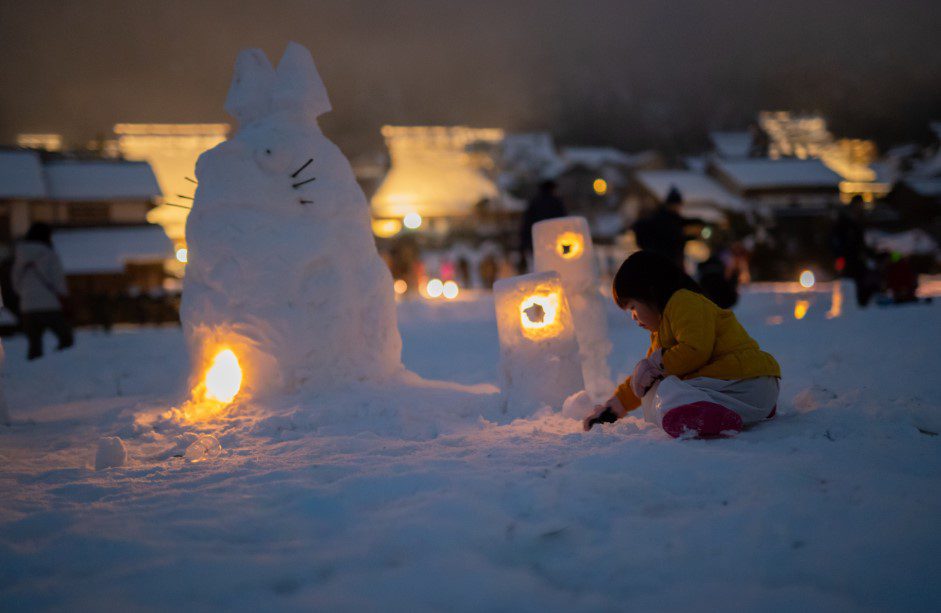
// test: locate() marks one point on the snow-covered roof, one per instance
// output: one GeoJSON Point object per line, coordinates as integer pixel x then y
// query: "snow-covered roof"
{"type": "Point", "coordinates": [731, 144]}
{"type": "Point", "coordinates": [770, 174]}
{"type": "Point", "coordinates": [594, 158]}
{"type": "Point", "coordinates": [532, 150]}
{"type": "Point", "coordinates": [695, 187]}
{"type": "Point", "coordinates": [21, 174]}
{"type": "Point", "coordinates": [100, 180]}
{"type": "Point", "coordinates": [107, 250]}
{"type": "Point", "coordinates": [926, 187]}
{"type": "Point", "coordinates": [912, 242]}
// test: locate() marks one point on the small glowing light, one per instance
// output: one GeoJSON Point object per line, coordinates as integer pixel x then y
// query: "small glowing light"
{"type": "Point", "coordinates": [600, 186]}
{"type": "Point", "coordinates": [800, 309]}
{"type": "Point", "coordinates": [706, 232]}
{"type": "Point", "coordinates": [434, 288]}
{"type": "Point", "coordinates": [224, 377]}
{"type": "Point", "coordinates": [400, 286]}
{"type": "Point", "coordinates": [181, 254]}
{"type": "Point", "coordinates": [538, 312]}
{"type": "Point", "coordinates": [412, 221]}
{"type": "Point", "coordinates": [836, 301]}
{"type": "Point", "coordinates": [386, 228]}
{"type": "Point", "coordinates": [450, 290]}
{"type": "Point", "coordinates": [807, 279]}
{"type": "Point", "coordinates": [569, 245]}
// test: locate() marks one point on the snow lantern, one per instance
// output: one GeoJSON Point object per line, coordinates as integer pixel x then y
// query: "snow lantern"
{"type": "Point", "coordinates": [564, 245]}
{"type": "Point", "coordinates": [539, 359]}
{"type": "Point", "coordinates": [284, 288]}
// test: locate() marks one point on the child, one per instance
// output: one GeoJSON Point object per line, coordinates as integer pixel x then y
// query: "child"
{"type": "Point", "coordinates": [703, 374]}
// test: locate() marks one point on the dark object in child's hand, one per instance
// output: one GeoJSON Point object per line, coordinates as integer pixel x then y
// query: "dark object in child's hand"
{"type": "Point", "coordinates": [605, 417]}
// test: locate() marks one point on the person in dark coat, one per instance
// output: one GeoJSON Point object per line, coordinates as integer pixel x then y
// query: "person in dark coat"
{"type": "Point", "coordinates": [848, 242]}
{"type": "Point", "coordinates": [39, 281]}
{"type": "Point", "coordinates": [664, 232]}
{"type": "Point", "coordinates": [545, 205]}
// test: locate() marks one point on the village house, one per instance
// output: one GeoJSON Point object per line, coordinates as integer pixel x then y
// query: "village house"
{"type": "Point", "coordinates": [99, 208]}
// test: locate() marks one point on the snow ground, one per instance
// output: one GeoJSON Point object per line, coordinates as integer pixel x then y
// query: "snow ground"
{"type": "Point", "coordinates": [422, 498]}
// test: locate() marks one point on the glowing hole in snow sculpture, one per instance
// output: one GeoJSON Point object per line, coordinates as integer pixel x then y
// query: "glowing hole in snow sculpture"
{"type": "Point", "coordinates": [570, 245]}
{"type": "Point", "coordinates": [800, 309]}
{"type": "Point", "coordinates": [400, 286]}
{"type": "Point", "coordinates": [181, 255]}
{"type": "Point", "coordinates": [539, 313]}
{"type": "Point", "coordinates": [412, 221]}
{"type": "Point", "coordinates": [807, 279]}
{"type": "Point", "coordinates": [224, 377]}
{"type": "Point", "coordinates": [600, 186]}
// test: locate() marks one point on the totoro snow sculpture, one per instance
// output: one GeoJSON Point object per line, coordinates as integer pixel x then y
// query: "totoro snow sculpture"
{"type": "Point", "coordinates": [283, 268]}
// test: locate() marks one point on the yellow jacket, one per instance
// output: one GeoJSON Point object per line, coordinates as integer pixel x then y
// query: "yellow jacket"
{"type": "Point", "coordinates": [701, 340]}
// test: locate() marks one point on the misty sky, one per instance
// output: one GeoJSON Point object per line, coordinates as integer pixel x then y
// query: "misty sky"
{"type": "Point", "coordinates": [633, 74]}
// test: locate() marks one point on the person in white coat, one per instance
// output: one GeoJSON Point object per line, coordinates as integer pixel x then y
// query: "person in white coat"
{"type": "Point", "coordinates": [39, 281]}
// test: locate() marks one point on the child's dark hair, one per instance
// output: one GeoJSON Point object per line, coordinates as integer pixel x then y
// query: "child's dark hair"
{"type": "Point", "coordinates": [650, 278]}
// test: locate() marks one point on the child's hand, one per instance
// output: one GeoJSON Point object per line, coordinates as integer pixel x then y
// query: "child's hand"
{"type": "Point", "coordinates": [606, 413]}
{"type": "Point", "coordinates": [647, 372]}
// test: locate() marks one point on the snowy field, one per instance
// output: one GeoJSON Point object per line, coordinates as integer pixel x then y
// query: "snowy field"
{"type": "Point", "coordinates": [421, 498]}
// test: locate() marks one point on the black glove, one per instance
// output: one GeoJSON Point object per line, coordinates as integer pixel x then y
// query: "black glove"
{"type": "Point", "coordinates": [604, 417]}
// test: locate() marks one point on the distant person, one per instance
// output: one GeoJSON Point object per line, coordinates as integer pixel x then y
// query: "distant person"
{"type": "Point", "coordinates": [664, 231]}
{"type": "Point", "coordinates": [719, 282]}
{"type": "Point", "coordinates": [848, 242]}
{"type": "Point", "coordinates": [901, 279]}
{"type": "Point", "coordinates": [703, 375]}
{"type": "Point", "coordinates": [545, 205]}
{"type": "Point", "coordinates": [39, 282]}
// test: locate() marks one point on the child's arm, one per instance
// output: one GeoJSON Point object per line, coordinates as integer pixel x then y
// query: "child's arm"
{"type": "Point", "coordinates": [694, 327]}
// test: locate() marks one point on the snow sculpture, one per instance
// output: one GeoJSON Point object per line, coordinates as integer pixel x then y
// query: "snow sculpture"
{"type": "Point", "coordinates": [564, 245]}
{"type": "Point", "coordinates": [284, 286]}
{"type": "Point", "coordinates": [538, 351]}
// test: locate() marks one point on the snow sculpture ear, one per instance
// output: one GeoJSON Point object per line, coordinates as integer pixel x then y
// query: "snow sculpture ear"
{"type": "Point", "coordinates": [250, 93]}
{"type": "Point", "coordinates": [298, 86]}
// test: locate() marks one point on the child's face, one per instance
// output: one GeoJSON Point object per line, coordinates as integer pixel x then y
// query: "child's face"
{"type": "Point", "coordinates": [646, 315]}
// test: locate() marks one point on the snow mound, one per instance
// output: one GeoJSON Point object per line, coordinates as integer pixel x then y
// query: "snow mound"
{"type": "Point", "coordinates": [111, 453]}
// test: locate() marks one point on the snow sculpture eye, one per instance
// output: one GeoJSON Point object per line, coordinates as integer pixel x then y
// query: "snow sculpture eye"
{"type": "Point", "coordinates": [272, 159]}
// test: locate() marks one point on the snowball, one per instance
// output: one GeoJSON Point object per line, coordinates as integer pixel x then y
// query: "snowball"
{"type": "Point", "coordinates": [203, 448]}
{"type": "Point", "coordinates": [111, 453]}
{"type": "Point", "coordinates": [578, 406]}
{"type": "Point", "coordinates": [539, 362]}
{"type": "Point", "coordinates": [282, 263]}
{"type": "Point", "coordinates": [564, 245]}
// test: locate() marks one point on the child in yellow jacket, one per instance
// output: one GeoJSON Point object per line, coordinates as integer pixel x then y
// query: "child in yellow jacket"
{"type": "Point", "coordinates": [703, 374]}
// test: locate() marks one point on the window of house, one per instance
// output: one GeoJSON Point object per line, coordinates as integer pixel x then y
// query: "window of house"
{"type": "Point", "coordinates": [89, 213]}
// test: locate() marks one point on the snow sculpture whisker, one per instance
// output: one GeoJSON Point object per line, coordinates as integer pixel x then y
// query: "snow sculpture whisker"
{"type": "Point", "coordinates": [298, 171]}
{"type": "Point", "coordinates": [191, 180]}
{"type": "Point", "coordinates": [184, 197]}
{"type": "Point", "coordinates": [296, 185]}
{"type": "Point", "coordinates": [179, 206]}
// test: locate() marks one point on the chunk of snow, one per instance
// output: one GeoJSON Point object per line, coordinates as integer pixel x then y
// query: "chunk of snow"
{"type": "Point", "coordinates": [206, 447]}
{"type": "Point", "coordinates": [111, 453]}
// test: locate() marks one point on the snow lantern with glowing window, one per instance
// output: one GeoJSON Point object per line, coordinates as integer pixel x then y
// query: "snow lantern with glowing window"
{"type": "Point", "coordinates": [539, 360]}
{"type": "Point", "coordinates": [564, 245]}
